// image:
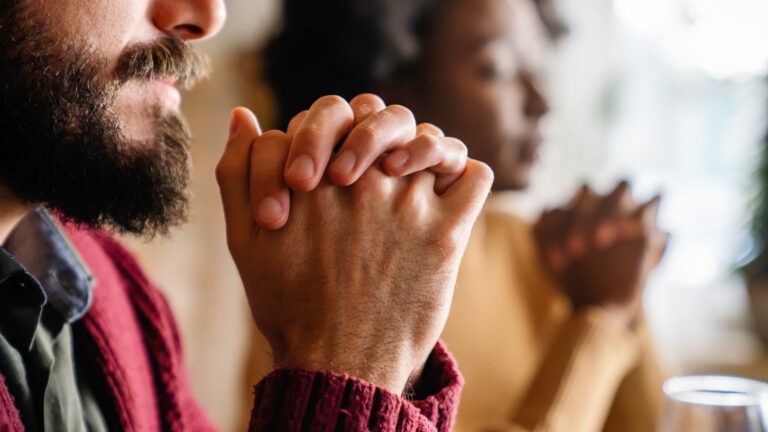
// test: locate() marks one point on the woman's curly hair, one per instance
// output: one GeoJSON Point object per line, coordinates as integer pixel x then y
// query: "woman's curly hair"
{"type": "Point", "coordinates": [343, 47]}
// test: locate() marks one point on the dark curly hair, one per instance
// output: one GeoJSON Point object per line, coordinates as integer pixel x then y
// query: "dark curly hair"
{"type": "Point", "coordinates": [342, 47]}
{"type": "Point", "coordinates": [346, 47]}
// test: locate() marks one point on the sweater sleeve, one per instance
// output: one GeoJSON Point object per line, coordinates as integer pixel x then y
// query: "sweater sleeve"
{"type": "Point", "coordinates": [576, 385]}
{"type": "Point", "coordinates": [639, 400]}
{"type": "Point", "coordinates": [578, 381]}
{"type": "Point", "coordinates": [298, 399]}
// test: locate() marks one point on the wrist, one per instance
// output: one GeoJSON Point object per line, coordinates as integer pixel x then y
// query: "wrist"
{"type": "Point", "coordinates": [625, 313]}
{"type": "Point", "coordinates": [415, 381]}
{"type": "Point", "coordinates": [386, 372]}
{"type": "Point", "coordinates": [619, 315]}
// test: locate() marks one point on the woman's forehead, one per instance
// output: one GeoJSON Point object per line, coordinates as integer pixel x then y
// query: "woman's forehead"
{"type": "Point", "coordinates": [470, 25]}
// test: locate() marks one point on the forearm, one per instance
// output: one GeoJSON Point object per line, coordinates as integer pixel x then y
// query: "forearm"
{"type": "Point", "coordinates": [639, 400]}
{"type": "Point", "coordinates": [575, 387]}
{"type": "Point", "coordinates": [289, 399]}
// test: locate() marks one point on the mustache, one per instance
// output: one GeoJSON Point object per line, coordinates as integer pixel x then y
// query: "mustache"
{"type": "Point", "coordinates": [169, 57]}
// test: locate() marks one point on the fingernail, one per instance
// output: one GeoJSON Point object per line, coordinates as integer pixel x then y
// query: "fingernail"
{"type": "Point", "coordinates": [345, 162]}
{"type": "Point", "coordinates": [269, 210]}
{"type": "Point", "coordinates": [398, 158]}
{"type": "Point", "coordinates": [301, 168]}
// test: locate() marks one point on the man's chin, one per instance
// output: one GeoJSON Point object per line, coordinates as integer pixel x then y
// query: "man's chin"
{"type": "Point", "coordinates": [135, 187]}
{"type": "Point", "coordinates": [141, 108]}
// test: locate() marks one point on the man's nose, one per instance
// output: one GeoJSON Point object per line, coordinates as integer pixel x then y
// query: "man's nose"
{"type": "Point", "coordinates": [189, 19]}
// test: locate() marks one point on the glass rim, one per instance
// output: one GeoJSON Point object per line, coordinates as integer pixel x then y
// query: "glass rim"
{"type": "Point", "coordinates": [716, 390]}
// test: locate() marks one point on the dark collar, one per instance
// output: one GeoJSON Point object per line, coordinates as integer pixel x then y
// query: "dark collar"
{"type": "Point", "coordinates": [39, 266]}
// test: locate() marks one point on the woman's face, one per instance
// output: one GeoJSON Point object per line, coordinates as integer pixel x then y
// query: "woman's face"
{"type": "Point", "coordinates": [480, 81]}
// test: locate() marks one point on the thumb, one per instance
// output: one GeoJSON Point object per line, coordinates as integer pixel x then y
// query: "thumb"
{"type": "Point", "coordinates": [233, 172]}
{"type": "Point", "coordinates": [466, 197]}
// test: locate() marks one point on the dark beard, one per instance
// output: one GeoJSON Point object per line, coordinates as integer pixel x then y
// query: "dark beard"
{"type": "Point", "coordinates": [61, 144]}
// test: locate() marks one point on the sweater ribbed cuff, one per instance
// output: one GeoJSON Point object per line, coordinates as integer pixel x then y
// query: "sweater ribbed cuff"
{"type": "Point", "coordinates": [300, 399]}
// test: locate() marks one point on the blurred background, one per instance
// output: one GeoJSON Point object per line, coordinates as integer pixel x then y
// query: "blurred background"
{"type": "Point", "coordinates": [669, 94]}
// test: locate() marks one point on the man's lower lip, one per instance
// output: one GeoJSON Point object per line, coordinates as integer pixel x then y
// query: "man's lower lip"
{"type": "Point", "coordinates": [167, 84]}
{"type": "Point", "coordinates": [169, 91]}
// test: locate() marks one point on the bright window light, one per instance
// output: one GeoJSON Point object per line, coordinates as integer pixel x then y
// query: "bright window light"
{"type": "Point", "coordinates": [724, 38]}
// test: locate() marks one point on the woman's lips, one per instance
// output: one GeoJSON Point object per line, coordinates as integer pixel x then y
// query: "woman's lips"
{"type": "Point", "coordinates": [530, 149]}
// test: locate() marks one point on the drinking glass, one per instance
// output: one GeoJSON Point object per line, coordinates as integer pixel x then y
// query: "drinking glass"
{"type": "Point", "coordinates": [714, 403]}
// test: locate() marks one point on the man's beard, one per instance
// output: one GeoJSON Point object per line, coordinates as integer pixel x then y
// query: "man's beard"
{"type": "Point", "coordinates": [62, 145]}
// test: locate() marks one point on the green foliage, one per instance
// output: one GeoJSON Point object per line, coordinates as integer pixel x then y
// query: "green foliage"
{"type": "Point", "coordinates": [758, 265]}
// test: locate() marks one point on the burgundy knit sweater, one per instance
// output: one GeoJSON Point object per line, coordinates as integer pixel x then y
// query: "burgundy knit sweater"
{"type": "Point", "coordinates": [131, 335]}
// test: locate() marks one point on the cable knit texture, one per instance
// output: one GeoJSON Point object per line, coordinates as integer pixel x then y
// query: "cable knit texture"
{"type": "Point", "coordinates": [299, 400]}
{"type": "Point", "coordinates": [132, 337]}
{"type": "Point", "coordinates": [10, 420]}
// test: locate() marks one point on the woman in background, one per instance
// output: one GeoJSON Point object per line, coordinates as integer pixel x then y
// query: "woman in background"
{"type": "Point", "coordinates": [546, 321]}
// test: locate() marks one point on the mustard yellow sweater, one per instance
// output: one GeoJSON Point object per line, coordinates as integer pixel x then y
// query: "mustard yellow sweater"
{"type": "Point", "coordinates": [529, 363]}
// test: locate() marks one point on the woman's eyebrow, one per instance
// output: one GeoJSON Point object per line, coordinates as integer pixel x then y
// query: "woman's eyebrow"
{"type": "Point", "coordinates": [482, 40]}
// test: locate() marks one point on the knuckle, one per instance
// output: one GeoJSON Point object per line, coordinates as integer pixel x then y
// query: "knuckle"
{"type": "Point", "coordinates": [373, 184]}
{"type": "Point", "coordinates": [447, 239]}
{"type": "Point", "coordinates": [330, 101]}
{"type": "Point", "coordinates": [298, 117]}
{"type": "Point", "coordinates": [431, 144]}
{"type": "Point", "coordinates": [222, 171]}
{"type": "Point", "coordinates": [646, 232]}
{"type": "Point", "coordinates": [413, 201]}
{"type": "Point", "coordinates": [382, 188]}
{"type": "Point", "coordinates": [402, 112]}
{"type": "Point", "coordinates": [308, 137]}
{"type": "Point", "coordinates": [461, 148]}
{"type": "Point", "coordinates": [271, 135]}
{"type": "Point", "coordinates": [266, 175]}
{"type": "Point", "coordinates": [409, 204]}
{"type": "Point", "coordinates": [365, 135]}
{"type": "Point", "coordinates": [296, 122]}
{"type": "Point", "coordinates": [430, 128]}
{"type": "Point", "coordinates": [623, 191]}
{"type": "Point", "coordinates": [367, 99]}
{"type": "Point", "coordinates": [485, 173]}
{"type": "Point", "coordinates": [326, 194]}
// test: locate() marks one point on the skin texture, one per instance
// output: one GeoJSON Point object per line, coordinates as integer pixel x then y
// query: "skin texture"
{"type": "Point", "coordinates": [361, 278]}
{"type": "Point", "coordinates": [365, 129]}
{"type": "Point", "coordinates": [365, 269]}
{"type": "Point", "coordinates": [70, 140]}
{"type": "Point", "coordinates": [111, 26]}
